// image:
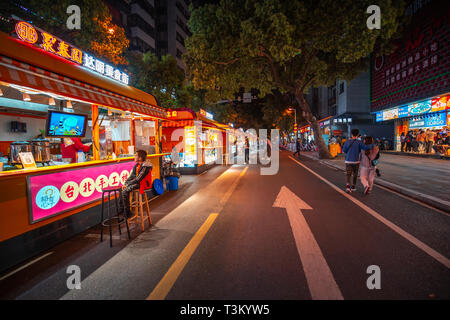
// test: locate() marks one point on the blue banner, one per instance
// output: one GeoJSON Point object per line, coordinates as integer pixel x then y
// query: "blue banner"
{"type": "Point", "coordinates": [403, 112]}
{"type": "Point", "coordinates": [429, 120]}
{"type": "Point", "coordinates": [379, 116]}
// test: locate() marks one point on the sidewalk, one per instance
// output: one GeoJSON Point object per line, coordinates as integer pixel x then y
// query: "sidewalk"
{"type": "Point", "coordinates": [414, 154]}
{"type": "Point", "coordinates": [424, 179]}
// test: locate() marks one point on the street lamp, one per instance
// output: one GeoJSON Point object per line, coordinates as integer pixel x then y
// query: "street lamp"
{"type": "Point", "coordinates": [295, 118]}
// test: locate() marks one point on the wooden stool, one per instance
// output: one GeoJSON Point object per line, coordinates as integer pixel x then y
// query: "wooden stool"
{"type": "Point", "coordinates": [137, 202]}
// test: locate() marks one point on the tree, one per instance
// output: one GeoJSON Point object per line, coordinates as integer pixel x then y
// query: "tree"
{"type": "Point", "coordinates": [160, 77]}
{"type": "Point", "coordinates": [285, 45]}
{"type": "Point", "coordinates": [97, 35]}
{"type": "Point", "coordinates": [275, 109]}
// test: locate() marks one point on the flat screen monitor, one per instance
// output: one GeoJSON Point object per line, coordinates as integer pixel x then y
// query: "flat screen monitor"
{"type": "Point", "coordinates": [65, 124]}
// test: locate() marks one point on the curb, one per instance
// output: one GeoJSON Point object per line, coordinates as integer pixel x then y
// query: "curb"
{"type": "Point", "coordinates": [430, 200]}
{"type": "Point", "coordinates": [417, 155]}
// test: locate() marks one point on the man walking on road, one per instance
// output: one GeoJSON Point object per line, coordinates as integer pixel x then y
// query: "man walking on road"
{"type": "Point", "coordinates": [297, 147]}
{"type": "Point", "coordinates": [352, 149]}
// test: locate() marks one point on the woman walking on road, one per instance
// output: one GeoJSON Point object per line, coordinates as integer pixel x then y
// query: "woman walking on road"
{"type": "Point", "coordinates": [368, 164]}
{"type": "Point", "coordinates": [352, 149]}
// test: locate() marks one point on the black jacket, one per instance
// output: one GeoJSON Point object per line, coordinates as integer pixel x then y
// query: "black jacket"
{"type": "Point", "coordinates": [146, 167]}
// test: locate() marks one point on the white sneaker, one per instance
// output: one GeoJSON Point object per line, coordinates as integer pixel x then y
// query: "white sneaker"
{"type": "Point", "coordinates": [348, 190]}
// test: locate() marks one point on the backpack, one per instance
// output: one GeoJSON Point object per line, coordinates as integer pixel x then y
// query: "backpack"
{"type": "Point", "coordinates": [375, 161]}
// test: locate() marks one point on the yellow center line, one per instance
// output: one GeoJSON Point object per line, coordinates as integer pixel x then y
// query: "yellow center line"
{"type": "Point", "coordinates": [164, 286]}
{"type": "Point", "coordinates": [166, 283]}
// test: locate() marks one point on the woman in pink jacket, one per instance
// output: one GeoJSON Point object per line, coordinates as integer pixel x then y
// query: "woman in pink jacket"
{"type": "Point", "coordinates": [367, 173]}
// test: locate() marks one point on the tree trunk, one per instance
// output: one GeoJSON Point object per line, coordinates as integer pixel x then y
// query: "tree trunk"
{"type": "Point", "coordinates": [322, 148]}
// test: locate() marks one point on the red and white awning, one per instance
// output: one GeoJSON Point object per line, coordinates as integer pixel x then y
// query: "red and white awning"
{"type": "Point", "coordinates": [22, 74]}
{"type": "Point", "coordinates": [178, 123]}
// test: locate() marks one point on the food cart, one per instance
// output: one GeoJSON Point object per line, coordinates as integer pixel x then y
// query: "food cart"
{"type": "Point", "coordinates": [196, 137]}
{"type": "Point", "coordinates": [52, 93]}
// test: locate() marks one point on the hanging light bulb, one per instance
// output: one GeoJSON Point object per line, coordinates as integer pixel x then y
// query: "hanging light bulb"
{"type": "Point", "coordinates": [140, 118]}
{"type": "Point", "coordinates": [51, 101]}
{"type": "Point", "coordinates": [69, 104]}
{"type": "Point", "coordinates": [26, 97]}
{"type": "Point", "coordinates": [109, 112]}
{"type": "Point", "coordinates": [123, 114]}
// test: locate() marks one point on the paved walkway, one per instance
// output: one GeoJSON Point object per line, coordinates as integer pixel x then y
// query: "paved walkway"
{"type": "Point", "coordinates": [424, 175]}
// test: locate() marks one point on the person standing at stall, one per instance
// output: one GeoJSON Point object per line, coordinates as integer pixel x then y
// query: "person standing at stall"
{"type": "Point", "coordinates": [71, 146]}
{"type": "Point", "coordinates": [421, 140]}
{"type": "Point", "coordinates": [139, 172]}
{"type": "Point", "coordinates": [402, 142]}
{"type": "Point", "coordinates": [429, 137]}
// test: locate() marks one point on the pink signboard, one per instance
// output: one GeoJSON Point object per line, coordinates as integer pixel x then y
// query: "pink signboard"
{"type": "Point", "coordinates": [54, 193]}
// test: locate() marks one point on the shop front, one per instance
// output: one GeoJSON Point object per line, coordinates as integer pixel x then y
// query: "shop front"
{"type": "Point", "coordinates": [418, 117]}
{"type": "Point", "coordinates": [72, 126]}
{"type": "Point", "coordinates": [410, 87]}
{"type": "Point", "coordinates": [198, 140]}
{"type": "Point", "coordinates": [306, 133]}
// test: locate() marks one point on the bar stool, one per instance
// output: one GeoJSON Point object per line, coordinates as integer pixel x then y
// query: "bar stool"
{"type": "Point", "coordinates": [137, 201]}
{"type": "Point", "coordinates": [109, 221]}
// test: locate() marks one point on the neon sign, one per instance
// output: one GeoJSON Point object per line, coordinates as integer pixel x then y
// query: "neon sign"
{"type": "Point", "coordinates": [26, 32]}
{"type": "Point", "coordinates": [48, 42]}
{"type": "Point", "coordinates": [206, 114]}
{"type": "Point", "coordinates": [171, 114]}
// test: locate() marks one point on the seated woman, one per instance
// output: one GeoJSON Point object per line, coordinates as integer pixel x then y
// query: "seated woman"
{"type": "Point", "coordinates": [140, 171]}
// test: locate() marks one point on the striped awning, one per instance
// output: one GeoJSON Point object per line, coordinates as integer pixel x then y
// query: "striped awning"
{"type": "Point", "coordinates": [19, 73]}
{"type": "Point", "coordinates": [178, 123]}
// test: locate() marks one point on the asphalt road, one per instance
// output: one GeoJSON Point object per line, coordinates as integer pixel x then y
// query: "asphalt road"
{"type": "Point", "coordinates": [221, 237]}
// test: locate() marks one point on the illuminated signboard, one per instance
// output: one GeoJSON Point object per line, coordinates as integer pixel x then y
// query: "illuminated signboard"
{"type": "Point", "coordinates": [171, 114]}
{"type": "Point", "coordinates": [439, 104]}
{"type": "Point", "coordinates": [403, 112]}
{"type": "Point", "coordinates": [55, 193]}
{"type": "Point", "coordinates": [27, 33]}
{"type": "Point", "coordinates": [419, 108]}
{"type": "Point", "coordinates": [436, 120]}
{"type": "Point", "coordinates": [206, 114]}
{"type": "Point", "coordinates": [390, 114]}
{"type": "Point", "coordinates": [379, 116]}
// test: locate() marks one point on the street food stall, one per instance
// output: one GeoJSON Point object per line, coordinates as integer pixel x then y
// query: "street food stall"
{"type": "Point", "coordinates": [72, 124]}
{"type": "Point", "coordinates": [196, 137]}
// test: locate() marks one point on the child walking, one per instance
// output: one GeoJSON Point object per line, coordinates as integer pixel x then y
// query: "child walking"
{"type": "Point", "coordinates": [368, 165]}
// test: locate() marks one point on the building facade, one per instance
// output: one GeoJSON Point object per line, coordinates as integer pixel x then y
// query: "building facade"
{"type": "Point", "coordinates": [137, 17]}
{"type": "Point", "coordinates": [172, 30]}
{"type": "Point", "coordinates": [344, 106]}
{"type": "Point", "coordinates": [158, 26]}
{"type": "Point", "coordinates": [410, 87]}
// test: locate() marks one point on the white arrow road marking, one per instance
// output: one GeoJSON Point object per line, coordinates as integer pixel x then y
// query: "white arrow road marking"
{"type": "Point", "coordinates": [419, 244]}
{"type": "Point", "coordinates": [321, 283]}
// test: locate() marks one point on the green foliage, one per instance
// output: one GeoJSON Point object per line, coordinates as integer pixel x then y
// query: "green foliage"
{"type": "Point", "coordinates": [289, 45]}
{"type": "Point", "coordinates": [286, 45]}
{"type": "Point", "coordinates": [164, 79]}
